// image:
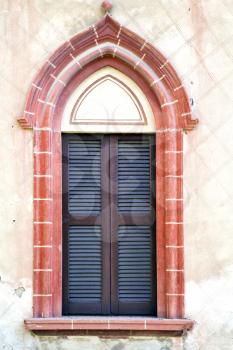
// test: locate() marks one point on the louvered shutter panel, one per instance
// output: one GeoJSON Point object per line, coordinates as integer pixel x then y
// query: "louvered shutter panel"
{"type": "Point", "coordinates": [84, 176]}
{"type": "Point", "coordinates": [82, 225]}
{"type": "Point", "coordinates": [134, 263]}
{"type": "Point", "coordinates": [134, 175]}
{"type": "Point", "coordinates": [133, 225]}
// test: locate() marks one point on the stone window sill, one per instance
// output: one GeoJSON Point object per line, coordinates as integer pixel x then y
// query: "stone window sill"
{"type": "Point", "coordinates": [89, 325]}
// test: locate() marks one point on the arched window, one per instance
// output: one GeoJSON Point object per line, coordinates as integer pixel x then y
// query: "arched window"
{"type": "Point", "coordinates": [107, 57]}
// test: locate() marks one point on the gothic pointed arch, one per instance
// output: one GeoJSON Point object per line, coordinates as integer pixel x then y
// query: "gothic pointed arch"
{"type": "Point", "coordinates": [108, 38]}
{"type": "Point", "coordinates": [107, 43]}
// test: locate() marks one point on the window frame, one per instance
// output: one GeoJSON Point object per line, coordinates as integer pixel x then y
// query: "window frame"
{"type": "Point", "coordinates": [109, 223]}
{"type": "Point", "coordinates": [43, 112]}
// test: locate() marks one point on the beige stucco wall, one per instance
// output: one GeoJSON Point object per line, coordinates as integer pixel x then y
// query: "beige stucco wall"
{"type": "Point", "coordinates": [197, 37]}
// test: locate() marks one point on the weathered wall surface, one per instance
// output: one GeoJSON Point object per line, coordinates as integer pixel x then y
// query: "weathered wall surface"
{"type": "Point", "coordinates": [197, 38]}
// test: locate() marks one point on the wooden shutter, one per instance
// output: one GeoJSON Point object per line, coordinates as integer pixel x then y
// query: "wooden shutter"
{"type": "Point", "coordinates": [133, 225]}
{"type": "Point", "coordinates": [108, 225]}
{"type": "Point", "coordinates": [85, 275]}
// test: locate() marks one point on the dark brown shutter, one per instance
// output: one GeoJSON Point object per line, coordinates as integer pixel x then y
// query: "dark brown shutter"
{"type": "Point", "coordinates": [108, 225]}
{"type": "Point", "coordinates": [133, 225]}
{"type": "Point", "coordinates": [85, 276]}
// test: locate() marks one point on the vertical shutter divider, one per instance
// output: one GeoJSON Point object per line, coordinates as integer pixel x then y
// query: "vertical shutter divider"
{"type": "Point", "coordinates": [106, 226]}
{"type": "Point", "coordinates": [114, 223]}
{"type": "Point", "coordinates": [65, 222]}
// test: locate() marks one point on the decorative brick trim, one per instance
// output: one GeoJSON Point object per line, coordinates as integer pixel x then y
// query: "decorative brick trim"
{"type": "Point", "coordinates": [25, 123]}
{"type": "Point", "coordinates": [72, 63]}
{"type": "Point", "coordinates": [109, 30]}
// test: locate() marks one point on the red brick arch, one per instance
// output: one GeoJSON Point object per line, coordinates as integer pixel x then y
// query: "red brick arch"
{"type": "Point", "coordinates": [107, 43]}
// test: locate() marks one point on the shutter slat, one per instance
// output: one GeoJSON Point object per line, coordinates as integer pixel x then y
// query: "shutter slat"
{"type": "Point", "coordinates": [84, 176]}
{"type": "Point", "coordinates": [134, 175]}
{"type": "Point", "coordinates": [84, 270]}
{"type": "Point", "coordinates": [134, 275]}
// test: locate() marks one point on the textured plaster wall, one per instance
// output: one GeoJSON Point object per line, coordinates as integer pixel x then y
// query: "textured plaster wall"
{"type": "Point", "coordinates": [197, 37]}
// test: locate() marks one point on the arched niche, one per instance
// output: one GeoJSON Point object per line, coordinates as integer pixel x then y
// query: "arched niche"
{"type": "Point", "coordinates": [108, 101]}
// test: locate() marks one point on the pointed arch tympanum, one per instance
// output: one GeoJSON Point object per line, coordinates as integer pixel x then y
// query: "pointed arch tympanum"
{"type": "Point", "coordinates": [107, 42]}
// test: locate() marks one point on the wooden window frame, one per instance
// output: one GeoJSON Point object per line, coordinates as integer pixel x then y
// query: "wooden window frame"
{"type": "Point", "coordinates": [109, 221]}
{"type": "Point", "coordinates": [107, 43]}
